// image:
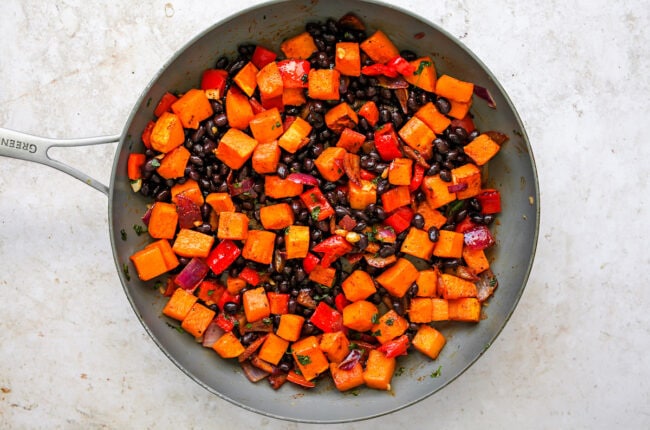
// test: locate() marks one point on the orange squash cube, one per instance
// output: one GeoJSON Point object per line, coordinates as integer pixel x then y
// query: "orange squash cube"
{"type": "Point", "coordinates": [347, 58]}
{"type": "Point", "coordinates": [481, 149]}
{"type": "Point", "coordinates": [275, 217]}
{"type": "Point", "coordinates": [296, 241]}
{"type": "Point", "coordinates": [399, 171]}
{"type": "Point", "coordinates": [309, 358]}
{"type": "Point", "coordinates": [358, 286]}
{"type": "Point", "coordinates": [439, 309]}
{"type": "Point", "coordinates": [233, 225]}
{"type": "Point", "coordinates": [296, 136]}
{"type": "Point", "coordinates": [323, 84]}
{"type": "Point", "coordinates": [424, 76]}
{"type": "Point", "coordinates": [359, 315]}
{"type": "Point", "coordinates": [192, 108]}
{"type": "Point", "coordinates": [434, 119]}
{"type": "Point", "coordinates": [259, 246]}
{"type": "Point", "coordinates": [220, 202]}
{"type": "Point", "coordinates": [421, 310]}
{"type": "Point", "coordinates": [360, 196]}
{"type": "Point", "coordinates": [179, 304]}
{"type": "Point", "coordinates": [335, 345]}
{"type": "Point", "coordinates": [427, 282]}
{"type": "Point", "coordinates": [273, 349]}
{"type": "Point", "coordinates": [266, 126]}
{"type": "Point", "coordinates": [299, 47]}
{"type": "Point", "coordinates": [167, 133]}
{"type": "Point", "coordinates": [467, 174]}
{"type": "Point", "coordinates": [163, 220]}
{"type": "Point", "coordinates": [417, 244]}
{"type": "Point", "coordinates": [238, 109]}
{"type": "Point", "coordinates": [417, 134]}
{"type": "Point", "coordinates": [197, 320]}
{"type": "Point", "coordinates": [436, 191]}
{"type": "Point", "coordinates": [235, 148]}
{"type": "Point", "coordinates": [397, 279]}
{"type": "Point", "coordinates": [266, 157]}
{"type": "Point", "coordinates": [191, 243]}
{"type": "Point", "coordinates": [454, 89]}
{"type": "Point", "coordinates": [246, 78]}
{"type": "Point", "coordinates": [290, 327]}
{"type": "Point", "coordinates": [379, 47]}
{"type": "Point", "coordinates": [432, 217]}
{"type": "Point", "coordinates": [453, 287]}
{"type": "Point", "coordinates": [396, 198]}
{"type": "Point", "coordinates": [323, 275]}
{"type": "Point", "coordinates": [429, 341]}
{"type": "Point", "coordinates": [476, 260]}
{"type": "Point", "coordinates": [379, 370]}
{"type": "Point", "coordinates": [465, 309]}
{"type": "Point", "coordinates": [328, 163]}
{"type": "Point", "coordinates": [269, 81]}
{"type": "Point", "coordinates": [449, 245]}
{"type": "Point", "coordinates": [340, 117]}
{"type": "Point", "coordinates": [390, 326]}
{"type": "Point", "coordinates": [345, 380]}
{"type": "Point", "coordinates": [189, 189]}
{"type": "Point", "coordinates": [351, 140]}
{"type": "Point", "coordinates": [228, 346]}
{"type": "Point", "coordinates": [278, 188]}
{"type": "Point", "coordinates": [256, 304]}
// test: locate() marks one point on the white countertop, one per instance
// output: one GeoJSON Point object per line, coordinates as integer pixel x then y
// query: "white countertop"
{"type": "Point", "coordinates": [574, 354]}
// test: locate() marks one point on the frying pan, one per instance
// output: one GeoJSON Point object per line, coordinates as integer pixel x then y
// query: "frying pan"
{"type": "Point", "coordinates": [512, 171]}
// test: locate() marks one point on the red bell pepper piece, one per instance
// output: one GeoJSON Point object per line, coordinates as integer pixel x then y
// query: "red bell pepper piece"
{"type": "Point", "coordinates": [170, 287]}
{"type": "Point", "coordinates": [332, 248]}
{"type": "Point", "coordinates": [146, 134]}
{"type": "Point", "coordinates": [214, 79]}
{"type": "Point", "coordinates": [256, 106]}
{"type": "Point", "coordinates": [250, 276]}
{"type": "Point", "coordinates": [378, 69]}
{"type": "Point", "coordinates": [464, 225]}
{"type": "Point", "coordinates": [490, 200]}
{"type": "Point", "coordinates": [417, 178]}
{"type": "Point", "coordinates": [295, 73]}
{"type": "Point", "coordinates": [327, 319]}
{"type": "Point", "coordinates": [226, 322]}
{"type": "Point", "coordinates": [262, 56]}
{"type": "Point", "coordinates": [299, 380]}
{"type": "Point", "coordinates": [310, 262]}
{"type": "Point", "coordinates": [401, 66]}
{"type": "Point", "coordinates": [165, 104]}
{"type": "Point", "coordinates": [278, 302]}
{"type": "Point", "coordinates": [368, 176]}
{"type": "Point", "coordinates": [386, 142]}
{"type": "Point", "coordinates": [395, 347]}
{"type": "Point", "coordinates": [222, 256]}
{"type": "Point", "coordinates": [134, 164]}
{"type": "Point", "coordinates": [400, 219]}
{"type": "Point", "coordinates": [340, 302]}
{"type": "Point", "coordinates": [317, 204]}
{"type": "Point", "coordinates": [226, 297]}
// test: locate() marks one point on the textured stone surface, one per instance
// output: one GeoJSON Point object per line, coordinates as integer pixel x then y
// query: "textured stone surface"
{"type": "Point", "coordinates": [72, 353]}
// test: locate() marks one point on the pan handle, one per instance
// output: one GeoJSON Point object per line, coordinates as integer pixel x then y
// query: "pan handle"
{"type": "Point", "coordinates": [27, 147]}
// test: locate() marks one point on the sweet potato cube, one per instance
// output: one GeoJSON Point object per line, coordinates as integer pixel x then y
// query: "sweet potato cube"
{"type": "Point", "coordinates": [359, 315]}
{"type": "Point", "coordinates": [296, 241]}
{"type": "Point", "coordinates": [396, 198]}
{"type": "Point", "coordinates": [220, 202]}
{"type": "Point", "coordinates": [191, 243]}
{"type": "Point", "coordinates": [397, 279]}
{"type": "Point", "coordinates": [273, 349]}
{"type": "Point", "coordinates": [390, 326]}
{"type": "Point", "coordinates": [246, 78]}
{"type": "Point", "coordinates": [347, 58]}
{"type": "Point", "coordinates": [179, 304]}
{"type": "Point", "coordinates": [360, 196]}
{"type": "Point", "coordinates": [449, 245]}
{"type": "Point", "coordinates": [309, 358]}
{"type": "Point", "coordinates": [296, 136]}
{"type": "Point", "coordinates": [169, 257]}
{"type": "Point", "coordinates": [256, 304]}
{"type": "Point", "coordinates": [228, 346]}
{"type": "Point", "coordinates": [439, 309]}
{"type": "Point", "coordinates": [432, 217]}
{"type": "Point", "coordinates": [429, 341]}
{"type": "Point", "coordinates": [233, 225]}
{"type": "Point", "coordinates": [379, 370]}
{"type": "Point", "coordinates": [379, 47]}
{"type": "Point", "coordinates": [475, 259]}
{"type": "Point", "coordinates": [340, 117]}
{"type": "Point", "coordinates": [481, 149]}
{"type": "Point", "coordinates": [290, 327]}
{"type": "Point", "coordinates": [417, 134]}
{"type": "Point", "coordinates": [358, 286]}
{"type": "Point", "coordinates": [278, 188]}
{"type": "Point", "coordinates": [399, 171]}
{"type": "Point", "coordinates": [167, 133]}
{"type": "Point", "coordinates": [197, 320]}
{"type": "Point", "coordinates": [173, 164]}
{"type": "Point", "coordinates": [454, 89]}
{"type": "Point", "coordinates": [417, 244]}
{"type": "Point", "coordinates": [235, 148]}
{"type": "Point", "coordinates": [275, 217]}
{"type": "Point", "coordinates": [323, 275]}
{"type": "Point", "coordinates": [163, 220]}
{"type": "Point", "coordinates": [434, 119]}
{"type": "Point", "coordinates": [189, 189]}
{"type": "Point", "coordinates": [266, 157]}
{"type": "Point", "coordinates": [421, 310]}
{"type": "Point", "coordinates": [453, 287]}
{"type": "Point", "coordinates": [436, 191]}
{"type": "Point", "coordinates": [427, 283]}
{"type": "Point", "coordinates": [149, 263]}
{"type": "Point", "coordinates": [459, 110]}
{"type": "Point", "coordinates": [324, 84]}
{"type": "Point", "coordinates": [465, 309]}
{"type": "Point", "coordinates": [266, 126]}
{"type": "Point", "coordinates": [345, 380]}
{"type": "Point", "coordinates": [424, 75]}
{"type": "Point", "coordinates": [238, 109]}
{"type": "Point", "coordinates": [351, 140]}
{"type": "Point", "coordinates": [467, 174]}
{"type": "Point", "coordinates": [234, 285]}
{"type": "Point", "coordinates": [269, 81]}
{"type": "Point", "coordinates": [370, 112]}
{"type": "Point", "coordinates": [329, 163]}
{"type": "Point", "coordinates": [192, 108]}
{"type": "Point", "coordinates": [293, 97]}
{"type": "Point", "coordinates": [335, 345]}
{"type": "Point", "coordinates": [259, 246]}
{"type": "Point", "coordinates": [299, 47]}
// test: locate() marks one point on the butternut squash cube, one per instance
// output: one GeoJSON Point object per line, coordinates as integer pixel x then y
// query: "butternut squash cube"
{"type": "Point", "coordinates": [399, 171]}
{"type": "Point", "coordinates": [296, 241]}
{"type": "Point", "coordinates": [449, 245]}
{"type": "Point", "coordinates": [235, 148]}
{"type": "Point", "coordinates": [197, 320]}
{"type": "Point", "coordinates": [358, 286]}
{"type": "Point", "coordinates": [417, 244]}
{"type": "Point", "coordinates": [266, 157]}
{"type": "Point", "coordinates": [481, 149]}
{"type": "Point", "coordinates": [275, 217]}
{"type": "Point", "coordinates": [467, 174]}
{"type": "Point", "coordinates": [233, 225]}
{"type": "Point", "coordinates": [329, 163]}
{"type": "Point", "coordinates": [299, 47]}
{"type": "Point", "coordinates": [429, 341]}
{"type": "Point", "coordinates": [417, 134]}
{"type": "Point", "coordinates": [436, 191]}
{"type": "Point", "coordinates": [266, 126]}
{"type": "Point", "coordinates": [397, 279]}
{"type": "Point", "coordinates": [324, 84]}
{"type": "Point", "coordinates": [296, 136]}
{"type": "Point", "coordinates": [363, 195]}
{"type": "Point", "coordinates": [246, 78]}
{"type": "Point", "coordinates": [259, 246]}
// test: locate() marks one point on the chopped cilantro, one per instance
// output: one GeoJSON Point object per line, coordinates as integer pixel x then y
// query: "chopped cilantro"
{"type": "Point", "coordinates": [210, 292]}
{"type": "Point", "coordinates": [376, 333]}
{"type": "Point", "coordinates": [303, 359]}
{"type": "Point", "coordinates": [175, 327]}
{"type": "Point", "coordinates": [304, 78]}
{"type": "Point", "coordinates": [139, 229]}
{"type": "Point", "coordinates": [267, 321]}
{"type": "Point", "coordinates": [375, 318]}
{"type": "Point", "coordinates": [155, 162]}
{"type": "Point", "coordinates": [313, 197]}
{"type": "Point", "coordinates": [123, 234]}
{"type": "Point", "coordinates": [390, 322]}
{"type": "Point", "coordinates": [125, 269]}
{"type": "Point", "coordinates": [399, 371]}
{"type": "Point", "coordinates": [315, 213]}
{"type": "Point", "coordinates": [353, 345]}
{"type": "Point", "coordinates": [421, 67]}
{"type": "Point", "coordinates": [436, 372]}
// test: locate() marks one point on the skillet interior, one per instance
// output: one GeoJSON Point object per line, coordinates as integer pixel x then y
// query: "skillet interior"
{"type": "Point", "coordinates": [512, 171]}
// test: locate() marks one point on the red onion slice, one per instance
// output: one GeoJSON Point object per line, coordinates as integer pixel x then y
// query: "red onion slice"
{"type": "Point", "coordinates": [350, 360]}
{"type": "Point", "coordinates": [454, 188]}
{"type": "Point", "coordinates": [193, 273]}
{"type": "Point", "coordinates": [189, 213]}
{"type": "Point", "coordinates": [212, 334]}
{"type": "Point", "coordinates": [254, 374]}
{"type": "Point", "coordinates": [303, 178]}
{"type": "Point", "coordinates": [478, 237]}
{"type": "Point", "coordinates": [484, 93]}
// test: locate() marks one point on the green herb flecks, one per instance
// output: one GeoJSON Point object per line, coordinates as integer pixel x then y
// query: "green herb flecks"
{"type": "Point", "coordinates": [155, 163]}
{"type": "Point", "coordinates": [375, 318]}
{"type": "Point", "coordinates": [139, 230]}
{"type": "Point", "coordinates": [436, 372]}
{"type": "Point", "coordinates": [125, 269]}
{"type": "Point", "coordinates": [315, 213]}
{"type": "Point", "coordinates": [421, 67]}
{"type": "Point", "coordinates": [390, 322]}
{"type": "Point", "coordinates": [303, 359]}
{"type": "Point", "coordinates": [123, 234]}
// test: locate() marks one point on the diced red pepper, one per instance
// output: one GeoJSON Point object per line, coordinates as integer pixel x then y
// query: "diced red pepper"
{"type": "Point", "coordinates": [395, 347]}
{"type": "Point", "coordinates": [317, 204]}
{"type": "Point", "coordinates": [146, 134]}
{"type": "Point", "coordinates": [464, 225]}
{"type": "Point", "coordinates": [490, 200]}
{"type": "Point", "coordinates": [262, 56]}
{"type": "Point", "coordinates": [222, 256]}
{"type": "Point", "coordinates": [417, 178]}
{"type": "Point", "coordinates": [310, 262]}
{"type": "Point", "coordinates": [340, 302]}
{"type": "Point", "coordinates": [134, 164]}
{"type": "Point", "coordinates": [378, 69]}
{"type": "Point", "coordinates": [467, 123]}
{"type": "Point", "coordinates": [332, 248]}
{"type": "Point", "coordinates": [256, 106]}
{"type": "Point", "coordinates": [165, 104]}
{"type": "Point", "coordinates": [299, 380]}
{"type": "Point", "coordinates": [386, 142]}
{"type": "Point", "coordinates": [327, 319]}
{"type": "Point", "coordinates": [250, 276]}
{"type": "Point", "coordinates": [278, 302]}
{"type": "Point", "coordinates": [226, 322]}
{"type": "Point", "coordinates": [170, 287]}
{"type": "Point", "coordinates": [214, 79]}
{"type": "Point", "coordinates": [226, 297]}
{"type": "Point", "coordinates": [401, 66]}
{"type": "Point", "coordinates": [400, 219]}
{"type": "Point", "coordinates": [273, 102]}
{"type": "Point", "coordinates": [368, 176]}
{"type": "Point", "coordinates": [479, 237]}
{"type": "Point", "coordinates": [295, 73]}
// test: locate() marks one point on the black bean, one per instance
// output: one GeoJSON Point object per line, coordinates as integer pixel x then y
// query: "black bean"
{"type": "Point", "coordinates": [418, 221]}
{"type": "Point", "coordinates": [282, 171]}
{"type": "Point", "coordinates": [434, 234]}
{"type": "Point", "coordinates": [443, 105]}
{"type": "Point", "coordinates": [461, 215]}
{"type": "Point", "coordinates": [163, 195]}
{"type": "Point", "coordinates": [433, 170]}
{"type": "Point", "coordinates": [386, 251]}
{"type": "Point", "coordinates": [445, 175]}
{"type": "Point", "coordinates": [363, 242]}
{"type": "Point", "coordinates": [231, 308]}
{"type": "Point", "coordinates": [440, 145]}
{"type": "Point", "coordinates": [221, 120]}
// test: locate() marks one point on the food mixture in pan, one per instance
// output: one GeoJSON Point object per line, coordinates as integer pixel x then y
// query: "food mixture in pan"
{"type": "Point", "coordinates": [319, 209]}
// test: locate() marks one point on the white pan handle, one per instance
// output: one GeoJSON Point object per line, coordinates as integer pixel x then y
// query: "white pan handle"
{"type": "Point", "coordinates": [27, 147]}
